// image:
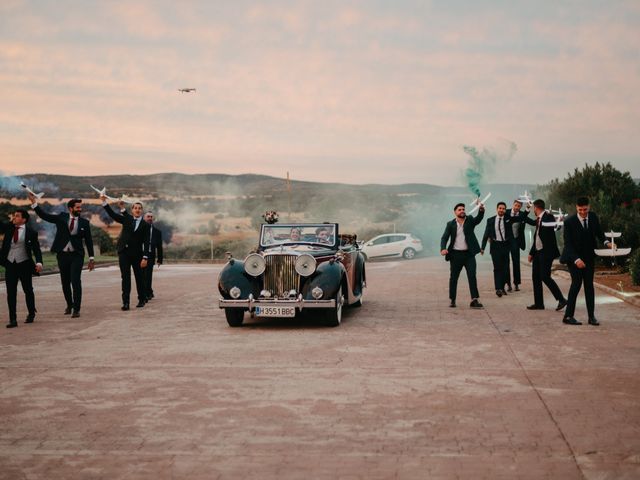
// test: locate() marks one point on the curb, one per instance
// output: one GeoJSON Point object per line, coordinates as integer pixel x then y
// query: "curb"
{"type": "Point", "coordinates": [631, 298]}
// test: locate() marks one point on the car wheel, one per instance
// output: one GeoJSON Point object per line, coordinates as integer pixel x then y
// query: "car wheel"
{"type": "Point", "coordinates": [409, 253]}
{"type": "Point", "coordinates": [235, 316]}
{"type": "Point", "coordinates": [334, 315]}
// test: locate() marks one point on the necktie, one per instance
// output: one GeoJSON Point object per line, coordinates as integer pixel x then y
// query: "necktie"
{"type": "Point", "coordinates": [584, 223]}
{"type": "Point", "coordinates": [16, 231]}
{"type": "Point", "coordinates": [500, 229]}
{"type": "Point", "coordinates": [73, 224]}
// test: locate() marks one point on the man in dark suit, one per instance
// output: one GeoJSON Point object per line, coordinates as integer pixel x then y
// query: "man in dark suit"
{"type": "Point", "coordinates": [133, 249]}
{"type": "Point", "coordinates": [462, 250]}
{"type": "Point", "coordinates": [71, 232]}
{"type": "Point", "coordinates": [582, 232]}
{"type": "Point", "coordinates": [543, 251]}
{"type": "Point", "coordinates": [517, 242]}
{"type": "Point", "coordinates": [498, 231]}
{"type": "Point", "coordinates": [19, 246]}
{"type": "Point", "coordinates": [155, 253]}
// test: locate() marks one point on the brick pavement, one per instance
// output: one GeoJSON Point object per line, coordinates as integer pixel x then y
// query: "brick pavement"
{"type": "Point", "coordinates": [405, 388]}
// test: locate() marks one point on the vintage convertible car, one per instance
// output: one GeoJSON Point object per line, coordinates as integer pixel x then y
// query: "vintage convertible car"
{"type": "Point", "coordinates": [296, 268]}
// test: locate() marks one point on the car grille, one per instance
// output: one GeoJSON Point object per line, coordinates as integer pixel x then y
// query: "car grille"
{"type": "Point", "coordinates": [280, 275]}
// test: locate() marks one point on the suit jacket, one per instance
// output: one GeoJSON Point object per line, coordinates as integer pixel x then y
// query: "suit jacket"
{"type": "Point", "coordinates": [155, 245]}
{"type": "Point", "coordinates": [31, 243]}
{"type": "Point", "coordinates": [579, 242]}
{"type": "Point", "coordinates": [63, 236]}
{"type": "Point", "coordinates": [132, 242]}
{"type": "Point", "coordinates": [451, 230]}
{"type": "Point", "coordinates": [519, 219]}
{"type": "Point", "coordinates": [490, 231]}
{"type": "Point", "coordinates": [547, 236]}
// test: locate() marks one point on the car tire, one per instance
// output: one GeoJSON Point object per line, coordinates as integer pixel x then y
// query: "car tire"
{"type": "Point", "coordinates": [409, 253]}
{"type": "Point", "coordinates": [334, 315]}
{"type": "Point", "coordinates": [235, 316]}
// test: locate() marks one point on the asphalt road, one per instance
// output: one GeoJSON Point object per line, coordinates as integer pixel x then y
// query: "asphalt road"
{"type": "Point", "coordinates": [405, 388]}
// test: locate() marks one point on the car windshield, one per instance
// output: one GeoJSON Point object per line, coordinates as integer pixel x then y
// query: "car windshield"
{"type": "Point", "coordinates": [322, 233]}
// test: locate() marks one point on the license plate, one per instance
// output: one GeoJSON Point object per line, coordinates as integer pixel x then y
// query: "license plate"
{"type": "Point", "coordinates": [276, 311]}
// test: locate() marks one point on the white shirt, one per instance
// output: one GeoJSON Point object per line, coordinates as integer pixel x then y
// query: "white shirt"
{"type": "Point", "coordinates": [515, 226]}
{"type": "Point", "coordinates": [499, 227]}
{"type": "Point", "coordinates": [539, 245]}
{"type": "Point", "coordinates": [461, 240]}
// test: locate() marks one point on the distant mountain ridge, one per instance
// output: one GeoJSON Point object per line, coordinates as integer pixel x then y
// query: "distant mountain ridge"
{"type": "Point", "coordinates": [180, 184]}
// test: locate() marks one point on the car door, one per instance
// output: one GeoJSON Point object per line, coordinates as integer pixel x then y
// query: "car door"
{"type": "Point", "coordinates": [396, 244]}
{"type": "Point", "coordinates": [378, 247]}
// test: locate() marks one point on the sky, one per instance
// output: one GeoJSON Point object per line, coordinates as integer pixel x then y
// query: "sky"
{"type": "Point", "coordinates": [334, 91]}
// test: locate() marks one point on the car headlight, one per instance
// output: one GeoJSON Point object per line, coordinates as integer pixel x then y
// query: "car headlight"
{"type": "Point", "coordinates": [235, 292]}
{"type": "Point", "coordinates": [305, 265]}
{"type": "Point", "coordinates": [317, 293]}
{"type": "Point", "coordinates": [254, 265]}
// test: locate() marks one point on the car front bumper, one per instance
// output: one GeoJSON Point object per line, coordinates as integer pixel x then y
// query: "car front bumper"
{"type": "Point", "coordinates": [250, 303]}
{"type": "Point", "coordinates": [299, 303]}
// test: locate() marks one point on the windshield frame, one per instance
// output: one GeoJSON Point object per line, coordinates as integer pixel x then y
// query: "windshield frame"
{"type": "Point", "coordinates": [331, 226]}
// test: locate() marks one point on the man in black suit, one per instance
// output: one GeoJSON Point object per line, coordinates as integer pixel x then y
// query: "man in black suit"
{"type": "Point", "coordinates": [133, 249]}
{"type": "Point", "coordinates": [516, 216]}
{"type": "Point", "coordinates": [19, 246]}
{"type": "Point", "coordinates": [581, 234]}
{"type": "Point", "coordinates": [155, 253]}
{"type": "Point", "coordinates": [462, 250]}
{"type": "Point", "coordinates": [71, 231]}
{"type": "Point", "coordinates": [498, 231]}
{"type": "Point", "coordinates": [543, 251]}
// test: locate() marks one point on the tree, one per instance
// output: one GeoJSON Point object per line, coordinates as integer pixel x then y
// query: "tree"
{"type": "Point", "coordinates": [613, 195]}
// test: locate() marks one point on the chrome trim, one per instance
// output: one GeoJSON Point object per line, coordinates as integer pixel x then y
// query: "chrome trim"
{"type": "Point", "coordinates": [250, 303]}
{"type": "Point", "coordinates": [280, 276]}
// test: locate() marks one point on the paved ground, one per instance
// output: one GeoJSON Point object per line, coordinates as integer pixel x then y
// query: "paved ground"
{"type": "Point", "coordinates": [405, 388]}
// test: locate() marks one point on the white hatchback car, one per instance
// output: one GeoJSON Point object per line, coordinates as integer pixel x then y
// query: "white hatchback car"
{"type": "Point", "coordinates": [392, 245]}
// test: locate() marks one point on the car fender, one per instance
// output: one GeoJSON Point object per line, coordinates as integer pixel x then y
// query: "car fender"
{"type": "Point", "coordinates": [328, 277]}
{"type": "Point", "coordinates": [233, 275]}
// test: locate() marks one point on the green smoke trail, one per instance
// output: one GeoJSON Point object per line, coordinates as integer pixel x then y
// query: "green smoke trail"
{"type": "Point", "coordinates": [482, 163]}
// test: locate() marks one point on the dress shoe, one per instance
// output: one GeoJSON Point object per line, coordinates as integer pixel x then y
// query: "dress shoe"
{"type": "Point", "coordinates": [535, 307]}
{"type": "Point", "coordinates": [517, 288]}
{"type": "Point", "coordinates": [499, 293]}
{"type": "Point", "coordinates": [140, 304]}
{"type": "Point", "coordinates": [561, 304]}
{"type": "Point", "coordinates": [30, 318]}
{"type": "Point", "coordinates": [12, 324]}
{"type": "Point", "coordinates": [67, 310]}
{"type": "Point", "coordinates": [75, 314]}
{"type": "Point", "coordinates": [594, 321]}
{"type": "Point", "coordinates": [125, 306]}
{"type": "Point", "coordinates": [509, 289]}
{"type": "Point", "coordinates": [452, 304]}
{"type": "Point", "coordinates": [571, 321]}
{"type": "Point", "coordinates": [475, 304]}
{"type": "Point", "coordinates": [504, 292]}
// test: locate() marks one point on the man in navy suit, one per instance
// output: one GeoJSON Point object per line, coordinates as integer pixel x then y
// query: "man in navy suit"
{"type": "Point", "coordinates": [133, 249]}
{"type": "Point", "coordinates": [582, 232]}
{"type": "Point", "coordinates": [544, 251]}
{"type": "Point", "coordinates": [516, 216]}
{"type": "Point", "coordinates": [71, 231]}
{"type": "Point", "coordinates": [499, 233]}
{"type": "Point", "coordinates": [19, 246]}
{"type": "Point", "coordinates": [462, 250]}
{"type": "Point", "coordinates": [155, 253]}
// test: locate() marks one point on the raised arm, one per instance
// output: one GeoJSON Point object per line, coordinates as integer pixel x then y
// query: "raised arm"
{"type": "Point", "coordinates": [116, 216]}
